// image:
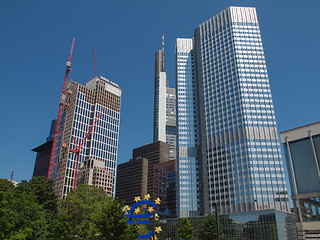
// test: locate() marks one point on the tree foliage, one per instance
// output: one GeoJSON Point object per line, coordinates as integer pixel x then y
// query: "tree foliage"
{"type": "Point", "coordinates": [30, 211]}
{"type": "Point", "coordinates": [112, 223]}
{"type": "Point", "coordinates": [208, 230]}
{"type": "Point", "coordinates": [27, 211]}
{"type": "Point", "coordinates": [78, 212]}
{"type": "Point", "coordinates": [185, 231]}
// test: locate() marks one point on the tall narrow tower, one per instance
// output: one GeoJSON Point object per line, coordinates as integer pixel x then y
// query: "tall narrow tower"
{"type": "Point", "coordinates": [189, 190]}
{"type": "Point", "coordinates": [164, 106]}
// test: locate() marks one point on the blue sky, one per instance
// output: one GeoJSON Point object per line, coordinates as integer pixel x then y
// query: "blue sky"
{"type": "Point", "coordinates": [35, 42]}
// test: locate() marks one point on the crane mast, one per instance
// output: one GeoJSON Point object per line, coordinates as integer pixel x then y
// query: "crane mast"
{"type": "Point", "coordinates": [62, 106]}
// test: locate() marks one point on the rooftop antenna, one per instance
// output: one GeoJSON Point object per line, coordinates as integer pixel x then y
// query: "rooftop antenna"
{"type": "Point", "coordinates": [163, 52]}
{"type": "Point", "coordinates": [11, 178]}
{"type": "Point", "coordinates": [94, 63]}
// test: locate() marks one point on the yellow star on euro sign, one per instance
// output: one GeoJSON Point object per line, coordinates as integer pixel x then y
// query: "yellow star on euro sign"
{"type": "Point", "coordinates": [150, 209]}
{"type": "Point", "coordinates": [127, 208]}
{"type": "Point", "coordinates": [155, 238]}
{"type": "Point", "coordinates": [157, 201]}
{"type": "Point", "coordinates": [158, 229]}
{"type": "Point", "coordinates": [137, 199]}
{"type": "Point", "coordinates": [137, 210]}
{"type": "Point", "coordinates": [147, 197]}
{"type": "Point", "coordinates": [156, 216]}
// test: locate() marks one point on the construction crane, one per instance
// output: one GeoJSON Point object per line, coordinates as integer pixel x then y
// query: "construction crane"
{"type": "Point", "coordinates": [78, 148]}
{"type": "Point", "coordinates": [62, 105]}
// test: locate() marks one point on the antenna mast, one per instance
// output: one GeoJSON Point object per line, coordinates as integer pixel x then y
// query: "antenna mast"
{"type": "Point", "coordinates": [163, 52]}
{"type": "Point", "coordinates": [94, 63]}
{"type": "Point", "coordinates": [62, 105]}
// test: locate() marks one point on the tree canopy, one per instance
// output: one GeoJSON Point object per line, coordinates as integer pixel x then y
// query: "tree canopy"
{"type": "Point", "coordinates": [185, 231]}
{"type": "Point", "coordinates": [208, 230]}
{"type": "Point", "coordinates": [31, 211]}
{"type": "Point", "coordinates": [28, 211]}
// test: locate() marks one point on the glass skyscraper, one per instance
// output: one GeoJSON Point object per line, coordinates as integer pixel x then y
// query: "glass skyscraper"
{"type": "Point", "coordinates": [85, 103]}
{"type": "Point", "coordinates": [188, 164]}
{"type": "Point", "coordinates": [239, 163]}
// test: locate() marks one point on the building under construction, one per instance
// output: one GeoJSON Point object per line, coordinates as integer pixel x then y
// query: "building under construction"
{"type": "Point", "coordinates": [87, 131]}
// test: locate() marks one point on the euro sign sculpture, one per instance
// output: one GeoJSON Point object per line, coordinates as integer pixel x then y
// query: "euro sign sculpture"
{"type": "Point", "coordinates": [132, 217]}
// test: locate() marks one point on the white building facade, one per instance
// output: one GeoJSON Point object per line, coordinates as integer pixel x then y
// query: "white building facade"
{"type": "Point", "coordinates": [164, 128]}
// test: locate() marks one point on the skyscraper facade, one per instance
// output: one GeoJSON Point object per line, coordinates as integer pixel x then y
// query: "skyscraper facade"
{"type": "Point", "coordinates": [164, 187]}
{"type": "Point", "coordinates": [239, 148]}
{"type": "Point", "coordinates": [164, 107]}
{"type": "Point", "coordinates": [99, 98]}
{"type": "Point", "coordinates": [188, 164]}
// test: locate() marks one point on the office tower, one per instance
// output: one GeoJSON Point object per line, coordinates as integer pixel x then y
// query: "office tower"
{"type": "Point", "coordinates": [302, 151]}
{"type": "Point", "coordinates": [240, 156]}
{"type": "Point", "coordinates": [189, 167]}
{"type": "Point", "coordinates": [43, 154]}
{"type": "Point", "coordinates": [157, 152]}
{"type": "Point", "coordinates": [98, 101]}
{"type": "Point", "coordinates": [164, 128]}
{"type": "Point", "coordinates": [135, 178]}
{"type": "Point", "coordinates": [132, 180]}
{"type": "Point", "coordinates": [164, 187]}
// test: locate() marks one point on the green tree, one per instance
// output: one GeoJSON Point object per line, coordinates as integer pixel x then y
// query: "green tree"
{"type": "Point", "coordinates": [208, 229]}
{"type": "Point", "coordinates": [112, 223]}
{"type": "Point", "coordinates": [6, 191]}
{"type": "Point", "coordinates": [77, 212]}
{"type": "Point", "coordinates": [28, 210]}
{"type": "Point", "coordinates": [185, 230]}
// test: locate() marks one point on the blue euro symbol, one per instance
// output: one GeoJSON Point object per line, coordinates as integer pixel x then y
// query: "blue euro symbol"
{"type": "Point", "coordinates": [148, 215]}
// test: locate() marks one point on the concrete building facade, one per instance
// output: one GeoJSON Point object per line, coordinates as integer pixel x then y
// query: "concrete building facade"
{"type": "Point", "coordinates": [132, 180]}
{"type": "Point", "coordinates": [136, 177]}
{"type": "Point", "coordinates": [302, 151]}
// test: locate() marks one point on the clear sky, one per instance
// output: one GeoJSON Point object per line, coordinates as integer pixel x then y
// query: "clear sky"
{"type": "Point", "coordinates": [36, 36]}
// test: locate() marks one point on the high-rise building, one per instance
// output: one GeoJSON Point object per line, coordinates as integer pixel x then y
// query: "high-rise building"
{"type": "Point", "coordinates": [239, 166]}
{"type": "Point", "coordinates": [132, 180]}
{"type": "Point", "coordinates": [43, 154]}
{"type": "Point", "coordinates": [164, 128]}
{"type": "Point", "coordinates": [99, 98]}
{"type": "Point", "coordinates": [302, 150]}
{"type": "Point", "coordinates": [189, 187]}
{"type": "Point", "coordinates": [157, 152]}
{"type": "Point", "coordinates": [136, 177]}
{"type": "Point", "coordinates": [164, 187]}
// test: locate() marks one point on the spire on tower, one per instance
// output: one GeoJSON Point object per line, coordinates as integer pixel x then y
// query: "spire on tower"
{"type": "Point", "coordinates": [163, 52]}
